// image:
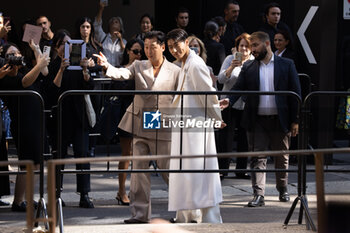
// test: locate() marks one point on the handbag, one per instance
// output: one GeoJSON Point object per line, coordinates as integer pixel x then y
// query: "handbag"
{"type": "Point", "coordinates": [110, 118]}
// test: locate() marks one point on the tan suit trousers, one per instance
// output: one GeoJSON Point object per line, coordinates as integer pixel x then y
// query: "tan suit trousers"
{"type": "Point", "coordinates": [268, 135]}
{"type": "Point", "coordinates": [140, 183]}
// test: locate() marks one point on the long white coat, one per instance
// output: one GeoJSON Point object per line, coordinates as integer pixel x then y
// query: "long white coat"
{"type": "Point", "coordinates": [188, 191]}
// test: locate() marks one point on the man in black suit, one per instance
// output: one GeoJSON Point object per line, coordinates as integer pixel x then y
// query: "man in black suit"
{"type": "Point", "coordinates": [233, 29]}
{"type": "Point", "coordinates": [270, 120]}
{"type": "Point", "coordinates": [273, 23]}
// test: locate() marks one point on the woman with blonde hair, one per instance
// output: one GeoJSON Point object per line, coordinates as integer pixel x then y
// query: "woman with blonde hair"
{"type": "Point", "coordinates": [198, 46]}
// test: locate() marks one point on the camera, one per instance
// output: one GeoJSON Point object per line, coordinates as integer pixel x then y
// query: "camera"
{"type": "Point", "coordinates": [14, 60]}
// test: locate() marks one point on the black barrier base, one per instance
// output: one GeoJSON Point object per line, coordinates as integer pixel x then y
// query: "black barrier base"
{"type": "Point", "coordinates": [303, 206]}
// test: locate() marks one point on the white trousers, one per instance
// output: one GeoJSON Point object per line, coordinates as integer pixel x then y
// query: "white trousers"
{"type": "Point", "coordinates": [204, 215]}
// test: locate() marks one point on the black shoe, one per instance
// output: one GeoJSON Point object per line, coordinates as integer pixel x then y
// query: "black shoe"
{"type": "Point", "coordinates": [242, 176]}
{"type": "Point", "coordinates": [35, 204]}
{"type": "Point", "coordinates": [120, 200]}
{"type": "Point", "coordinates": [4, 203]}
{"type": "Point", "coordinates": [134, 221]}
{"type": "Point", "coordinates": [284, 195]}
{"type": "Point", "coordinates": [258, 200]}
{"type": "Point", "coordinates": [22, 207]}
{"type": "Point", "coordinates": [172, 220]}
{"type": "Point", "coordinates": [85, 202]}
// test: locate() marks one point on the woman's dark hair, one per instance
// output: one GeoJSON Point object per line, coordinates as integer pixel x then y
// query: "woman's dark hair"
{"type": "Point", "coordinates": [92, 39]}
{"type": "Point", "coordinates": [156, 34]}
{"type": "Point", "coordinates": [128, 46]}
{"type": "Point", "coordinates": [59, 37]}
{"type": "Point", "coordinates": [6, 47]}
{"type": "Point", "coordinates": [146, 15]}
{"type": "Point", "coordinates": [177, 35]}
{"type": "Point", "coordinates": [286, 36]}
{"type": "Point", "coordinates": [211, 29]}
{"type": "Point", "coordinates": [219, 20]}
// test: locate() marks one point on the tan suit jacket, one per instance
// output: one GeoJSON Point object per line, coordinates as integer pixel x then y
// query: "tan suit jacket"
{"type": "Point", "coordinates": [142, 72]}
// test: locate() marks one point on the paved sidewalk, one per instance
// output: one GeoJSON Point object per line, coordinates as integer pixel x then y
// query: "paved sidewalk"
{"type": "Point", "coordinates": [107, 216]}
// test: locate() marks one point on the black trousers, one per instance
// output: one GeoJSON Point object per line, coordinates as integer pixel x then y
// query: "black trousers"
{"type": "Point", "coordinates": [225, 138]}
{"type": "Point", "coordinates": [79, 138]}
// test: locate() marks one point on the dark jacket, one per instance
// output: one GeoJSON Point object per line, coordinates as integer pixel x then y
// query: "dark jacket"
{"type": "Point", "coordinates": [228, 39]}
{"type": "Point", "coordinates": [285, 79]}
{"type": "Point", "coordinates": [215, 53]}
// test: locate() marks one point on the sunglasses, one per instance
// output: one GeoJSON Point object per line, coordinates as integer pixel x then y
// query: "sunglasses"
{"type": "Point", "coordinates": [136, 51]}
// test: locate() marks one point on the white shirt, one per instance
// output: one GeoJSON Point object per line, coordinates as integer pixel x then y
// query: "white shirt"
{"type": "Point", "coordinates": [280, 54]}
{"type": "Point", "coordinates": [112, 50]}
{"type": "Point", "coordinates": [267, 103]}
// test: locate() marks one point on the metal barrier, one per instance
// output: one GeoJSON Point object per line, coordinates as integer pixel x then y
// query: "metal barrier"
{"type": "Point", "coordinates": [29, 191]}
{"type": "Point", "coordinates": [301, 165]}
{"type": "Point", "coordinates": [41, 131]}
{"type": "Point", "coordinates": [321, 205]}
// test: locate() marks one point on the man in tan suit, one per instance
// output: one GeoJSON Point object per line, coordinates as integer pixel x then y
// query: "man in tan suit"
{"type": "Point", "coordinates": [156, 74]}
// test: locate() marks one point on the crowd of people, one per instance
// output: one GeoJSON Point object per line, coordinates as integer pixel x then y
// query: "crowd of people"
{"type": "Point", "coordinates": [228, 58]}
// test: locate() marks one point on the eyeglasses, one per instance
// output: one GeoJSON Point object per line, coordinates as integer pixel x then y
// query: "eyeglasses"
{"type": "Point", "coordinates": [136, 51]}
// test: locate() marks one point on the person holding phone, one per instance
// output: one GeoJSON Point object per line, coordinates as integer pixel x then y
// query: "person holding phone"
{"type": "Point", "coordinates": [228, 76]}
{"type": "Point", "coordinates": [113, 42]}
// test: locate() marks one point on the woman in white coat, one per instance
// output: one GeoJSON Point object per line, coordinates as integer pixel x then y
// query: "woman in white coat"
{"type": "Point", "coordinates": [195, 196]}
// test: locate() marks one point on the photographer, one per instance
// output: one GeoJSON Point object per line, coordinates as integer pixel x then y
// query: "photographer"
{"type": "Point", "coordinates": [75, 129]}
{"type": "Point", "coordinates": [25, 112]}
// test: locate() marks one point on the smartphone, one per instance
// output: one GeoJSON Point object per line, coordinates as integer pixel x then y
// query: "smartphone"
{"type": "Point", "coordinates": [238, 56]}
{"type": "Point", "coordinates": [105, 2]}
{"type": "Point", "coordinates": [46, 50]}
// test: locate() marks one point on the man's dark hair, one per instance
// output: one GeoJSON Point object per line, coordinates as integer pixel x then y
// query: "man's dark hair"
{"type": "Point", "coordinates": [177, 35]}
{"type": "Point", "coordinates": [182, 10]}
{"type": "Point", "coordinates": [160, 36]}
{"type": "Point", "coordinates": [269, 6]}
{"type": "Point", "coordinates": [41, 16]}
{"type": "Point", "coordinates": [262, 36]}
{"type": "Point", "coordinates": [230, 2]}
